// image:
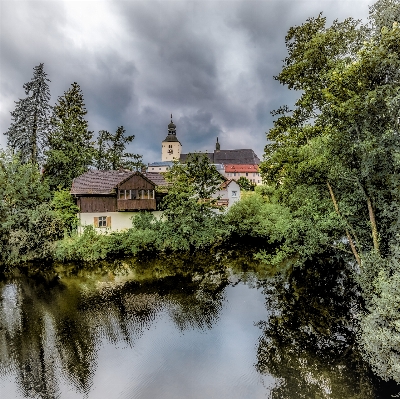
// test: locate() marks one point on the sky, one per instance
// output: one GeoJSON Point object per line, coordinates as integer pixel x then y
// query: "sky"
{"type": "Point", "coordinates": [209, 63]}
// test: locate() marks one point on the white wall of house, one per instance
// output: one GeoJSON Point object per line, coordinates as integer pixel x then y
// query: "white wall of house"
{"type": "Point", "coordinates": [158, 169]}
{"type": "Point", "coordinates": [252, 176]}
{"type": "Point", "coordinates": [231, 193]}
{"type": "Point", "coordinates": [119, 220]}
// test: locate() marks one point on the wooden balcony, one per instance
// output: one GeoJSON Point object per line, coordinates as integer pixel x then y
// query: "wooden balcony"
{"type": "Point", "coordinates": [136, 204]}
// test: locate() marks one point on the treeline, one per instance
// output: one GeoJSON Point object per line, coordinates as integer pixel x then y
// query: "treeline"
{"type": "Point", "coordinates": [47, 147]}
{"type": "Point", "coordinates": [57, 138]}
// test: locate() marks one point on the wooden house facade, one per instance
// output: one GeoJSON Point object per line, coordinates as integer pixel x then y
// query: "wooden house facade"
{"type": "Point", "coordinates": [109, 199]}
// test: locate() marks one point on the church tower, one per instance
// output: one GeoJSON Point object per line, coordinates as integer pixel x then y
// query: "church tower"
{"type": "Point", "coordinates": [171, 148]}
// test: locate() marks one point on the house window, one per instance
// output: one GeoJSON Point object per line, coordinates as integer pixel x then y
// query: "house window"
{"type": "Point", "coordinates": [102, 221]}
{"type": "Point", "coordinates": [234, 174]}
{"type": "Point", "coordinates": [121, 194]}
{"type": "Point", "coordinates": [152, 168]}
{"type": "Point", "coordinates": [247, 174]}
{"type": "Point", "coordinates": [234, 193]}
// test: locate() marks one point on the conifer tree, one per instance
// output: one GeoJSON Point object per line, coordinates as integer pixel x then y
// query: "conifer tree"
{"type": "Point", "coordinates": [71, 150]}
{"type": "Point", "coordinates": [30, 119]}
{"type": "Point", "coordinates": [111, 151]}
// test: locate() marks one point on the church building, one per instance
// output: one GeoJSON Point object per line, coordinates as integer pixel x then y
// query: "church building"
{"type": "Point", "coordinates": [171, 149]}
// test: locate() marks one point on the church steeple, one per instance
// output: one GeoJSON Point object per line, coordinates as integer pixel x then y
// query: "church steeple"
{"type": "Point", "coordinates": [217, 145]}
{"type": "Point", "coordinates": [171, 147]}
{"type": "Point", "coordinates": [172, 128]}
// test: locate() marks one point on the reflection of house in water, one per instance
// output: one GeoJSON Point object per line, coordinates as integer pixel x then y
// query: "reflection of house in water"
{"type": "Point", "coordinates": [109, 199]}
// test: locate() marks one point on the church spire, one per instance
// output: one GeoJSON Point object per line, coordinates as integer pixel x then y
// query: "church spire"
{"type": "Point", "coordinates": [217, 145]}
{"type": "Point", "coordinates": [172, 128]}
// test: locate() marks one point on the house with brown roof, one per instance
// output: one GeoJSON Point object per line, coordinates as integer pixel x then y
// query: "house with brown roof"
{"type": "Point", "coordinates": [107, 199]}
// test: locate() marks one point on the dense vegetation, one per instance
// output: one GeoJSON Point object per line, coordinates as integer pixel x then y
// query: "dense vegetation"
{"type": "Point", "coordinates": [331, 169]}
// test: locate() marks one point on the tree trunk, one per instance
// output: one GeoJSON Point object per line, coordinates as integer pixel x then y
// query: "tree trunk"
{"type": "Point", "coordinates": [352, 246]}
{"type": "Point", "coordinates": [34, 139]}
{"type": "Point", "coordinates": [371, 212]}
{"type": "Point", "coordinates": [373, 225]}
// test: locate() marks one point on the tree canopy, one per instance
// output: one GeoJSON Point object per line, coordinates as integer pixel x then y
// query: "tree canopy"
{"type": "Point", "coordinates": [334, 160]}
{"type": "Point", "coordinates": [30, 119]}
{"type": "Point", "coordinates": [111, 155]}
{"type": "Point", "coordinates": [71, 150]}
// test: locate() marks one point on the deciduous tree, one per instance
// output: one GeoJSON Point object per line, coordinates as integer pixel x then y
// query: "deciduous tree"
{"type": "Point", "coordinates": [111, 155]}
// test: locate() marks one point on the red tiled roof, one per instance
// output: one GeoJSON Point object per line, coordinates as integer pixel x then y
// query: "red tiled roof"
{"type": "Point", "coordinates": [240, 168]}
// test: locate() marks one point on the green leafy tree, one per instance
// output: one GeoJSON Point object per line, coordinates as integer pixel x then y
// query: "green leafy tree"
{"type": "Point", "coordinates": [342, 137]}
{"type": "Point", "coordinates": [245, 184]}
{"type": "Point", "coordinates": [65, 208]}
{"type": "Point", "coordinates": [334, 158]}
{"type": "Point", "coordinates": [189, 221]}
{"type": "Point", "coordinates": [31, 117]}
{"type": "Point", "coordinates": [71, 150]}
{"type": "Point", "coordinates": [28, 227]}
{"type": "Point", "coordinates": [111, 153]}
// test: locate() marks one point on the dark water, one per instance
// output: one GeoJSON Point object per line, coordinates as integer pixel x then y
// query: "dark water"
{"type": "Point", "coordinates": [188, 328]}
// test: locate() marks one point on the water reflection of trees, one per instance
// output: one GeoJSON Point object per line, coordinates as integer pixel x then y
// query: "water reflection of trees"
{"type": "Point", "coordinates": [308, 342]}
{"type": "Point", "coordinates": [53, 328]}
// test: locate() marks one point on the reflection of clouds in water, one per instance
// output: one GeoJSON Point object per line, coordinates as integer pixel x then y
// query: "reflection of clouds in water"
{"type": "Point", "coordinates": [10, 312]}
{"type": "Point", "coordinates": [216, 362]}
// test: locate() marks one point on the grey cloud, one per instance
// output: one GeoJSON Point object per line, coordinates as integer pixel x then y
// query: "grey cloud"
{"type": "Point", "coordinates": [209, 63]}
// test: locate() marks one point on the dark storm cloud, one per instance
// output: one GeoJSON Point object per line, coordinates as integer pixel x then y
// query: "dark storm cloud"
{"type": "Point", "coordinates": [211, 64]}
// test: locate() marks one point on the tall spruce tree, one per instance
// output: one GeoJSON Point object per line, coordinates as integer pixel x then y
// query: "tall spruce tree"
{"type": "Point", "coordinates": [30, 119]}
{"type": "Point", "coordinates": [111, 151]}
{"type": "Point", "coordinates": [71, 150]}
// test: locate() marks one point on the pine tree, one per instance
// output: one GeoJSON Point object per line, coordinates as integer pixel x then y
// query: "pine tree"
{"type": "Point", "coordinates": [111, 151]}
{"type": "Point", "coordinates": [30, 119]}
{"type": "Point", "coordinates": [71, 150]}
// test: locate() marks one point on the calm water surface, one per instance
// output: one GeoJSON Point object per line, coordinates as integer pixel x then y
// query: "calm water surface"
{"type": "Point", "coordinates": [183, 331]}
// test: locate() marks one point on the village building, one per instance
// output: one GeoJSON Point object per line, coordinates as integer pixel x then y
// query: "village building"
{"type": "Point", "coordinates": [108, 199]}
{"type": "Point", "coordinates": [159, 167]}
{"type": "Point", "coordinates": [250, 172]}
{"type": "Point", "coordinates": [228, 193]}
{"type": "Point", "coordinates": [171, 148]}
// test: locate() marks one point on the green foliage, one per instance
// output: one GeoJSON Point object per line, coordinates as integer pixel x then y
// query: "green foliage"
{"type": "Point", "coordinates": [91, 246]}
{"type": "Point", "coordinates": [65, 208]}
{"type": "Point", "coordinates": [30, 119]}
{"type": "Point", "coordinates": [110, 153]}
{"type": "Point", "coordinates": [28, 226]}
{"type": "Point", "coordinates": [334, 160]}
{"type": "Point", "coordinates": [343, 132]}
{"type": "Point", "coordinates": [197, 175]}
{"type": "Point", "coordinates": [189, 219]}
{"type": "Point", "coordinates": [245, 184]}
{"type": "Point", "coordinates": [380, 325]}
{"type": "Point", "coordinates": [296, 230]}
{"type": "Point", "coordinates": [70, 150]}
{"type": "Point", "coordinates": [33, 233]}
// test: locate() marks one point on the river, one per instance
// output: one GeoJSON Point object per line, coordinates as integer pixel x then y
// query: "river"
{"type": "Point", "coordinates": [190, 327]}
